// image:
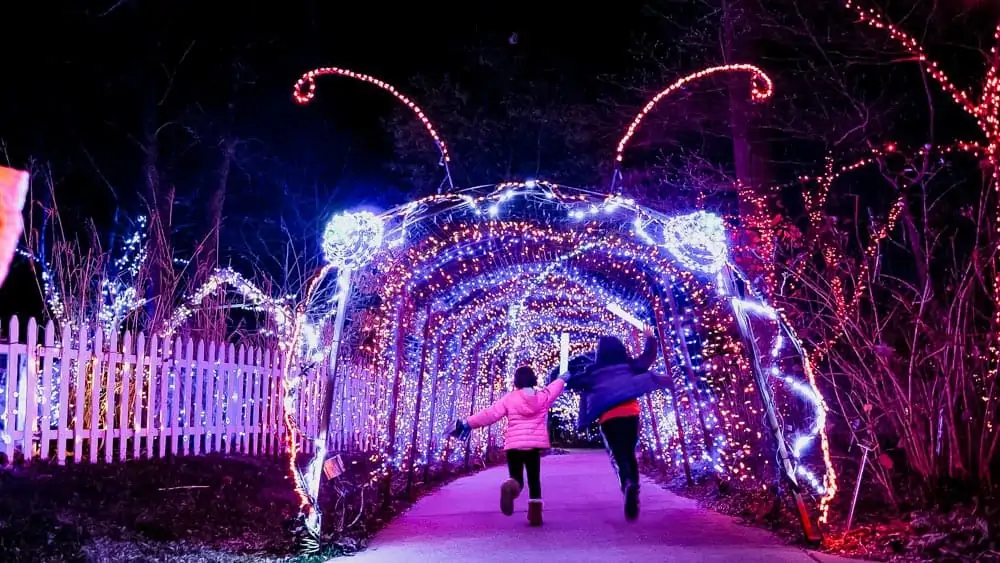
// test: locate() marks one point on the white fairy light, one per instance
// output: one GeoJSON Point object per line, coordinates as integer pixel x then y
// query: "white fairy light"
{"type": "Point", "coordinates": [697, 240]}
{"type": "Point", "coordinates": [350, 239]}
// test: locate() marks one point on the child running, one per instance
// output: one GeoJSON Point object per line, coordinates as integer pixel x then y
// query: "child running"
{"type": "Point", "coordinates": [609, 389]}
{"type": "Point", "coordinates": [527, 435]}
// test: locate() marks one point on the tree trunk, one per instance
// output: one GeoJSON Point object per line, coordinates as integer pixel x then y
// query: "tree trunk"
{"type": "Point", "coordinates": [751, 154]}
{"type": "Point", "coordinates": [211, 322]}
{"type": "Point", "coordinates": [159, 260]}
{"type": "Point", "coordinates": [216, 201]}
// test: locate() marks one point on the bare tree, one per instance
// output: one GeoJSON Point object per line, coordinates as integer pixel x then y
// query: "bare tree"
{"type": "Point", "coordinates": [506, 118]}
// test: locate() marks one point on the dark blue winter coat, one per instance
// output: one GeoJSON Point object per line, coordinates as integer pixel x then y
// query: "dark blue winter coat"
{"type": "Point", "coordinates": [614, 378]}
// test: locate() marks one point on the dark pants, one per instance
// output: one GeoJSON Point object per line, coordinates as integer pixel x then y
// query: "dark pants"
{"type": "Point", "coordinates": [518, 461]}
{"type": "Point", "coordinates": [621, 435]}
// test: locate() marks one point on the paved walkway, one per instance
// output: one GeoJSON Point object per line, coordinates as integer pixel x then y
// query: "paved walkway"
{"type": "Point", "coordinates": [584, 523]}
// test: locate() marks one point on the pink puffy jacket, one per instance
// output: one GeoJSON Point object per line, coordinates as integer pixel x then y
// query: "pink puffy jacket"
{"type": "Point", "coordinates": [527, 413]}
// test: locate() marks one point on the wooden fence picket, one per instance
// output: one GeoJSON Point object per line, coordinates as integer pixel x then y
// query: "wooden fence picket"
{"type": "Point", "coordinates": [112, 368]}
{"type": "Point", "coordinates": [174, 398]}
{"type": "Point", "coordinates": [30, 389]}
{"type": "Point", "coordinates": [152, 392]}
{"type": "Point", "coordinates": [265, 407]}
{"type": "Point", "coordinates": [96, 382]}
{"type": "Point", "coordinates": [67, 371]}
{"type": "Point", "coordinates": [139, 390]}
{"type": "Point", "coordinates": [279, 406]}
{"type": "Point", "coordinates": [166, 380]}
{"type": "Point", "coordinates": [202, 379]}
{"type": "Point", "coordinates": [229, 399]}
{"type": "Point", "coordinates": [79, 392]}
{"type": "Point", "coordinates": [242, 372]}
{"type": "Point", "coordinates": [11, 397]}
{"type": "Point", "coordinates": [253, 382]}
{"type": "Point", "coordinates": [185, 397]}
{"type": "Point", "coordinates": [124, 395]}
{"type": "Point", "coordinates": [46, 385]}
{"type": "Point", "coordinates": [215, 375]}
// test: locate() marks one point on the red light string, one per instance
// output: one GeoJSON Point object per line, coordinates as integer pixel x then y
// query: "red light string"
{"type": "Point", "coordinates": [761, 88]}
{"type": "Point", "coordinates": [986, 114]}
{"type": "Point", "coordinates": [305, 91]}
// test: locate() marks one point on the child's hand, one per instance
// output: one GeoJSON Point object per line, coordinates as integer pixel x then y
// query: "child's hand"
{"type": "Point", "coordinates": [648, 332]}
{"type": "Point", "coordinates": [461, 431]}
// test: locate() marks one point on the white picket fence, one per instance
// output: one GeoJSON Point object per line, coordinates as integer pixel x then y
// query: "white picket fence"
{"type": "Point", "coordinates": [93, 397]}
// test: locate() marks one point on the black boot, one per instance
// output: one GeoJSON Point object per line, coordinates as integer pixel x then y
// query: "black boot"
{"type": "Point", "coordinates": [631, 501]}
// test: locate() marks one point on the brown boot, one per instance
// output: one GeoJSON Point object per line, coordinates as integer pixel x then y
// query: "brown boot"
{"type": "Point", "coordinates": [509, 491]}
{"type": "Point", "coordinates": [535, 512]}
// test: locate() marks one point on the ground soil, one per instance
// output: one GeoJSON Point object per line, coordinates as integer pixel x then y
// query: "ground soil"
{"type": "Point", "coordinates": [205, 508]}
{"type": "Point", "coordinates": [960, 532]}
{"type": "Point", "coordinates": [211, 508]}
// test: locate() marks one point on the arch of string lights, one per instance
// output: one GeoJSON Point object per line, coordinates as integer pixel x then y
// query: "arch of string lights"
{"type": "Point", "coordinates": [484, 280]}
{"type": "Point", "coordinates": [422, 312]}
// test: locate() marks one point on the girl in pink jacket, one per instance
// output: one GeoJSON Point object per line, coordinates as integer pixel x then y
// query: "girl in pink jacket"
{"type": "Point", "coordinates": [527, 435]}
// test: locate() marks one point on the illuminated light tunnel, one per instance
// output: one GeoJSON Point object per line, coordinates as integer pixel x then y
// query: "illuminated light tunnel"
{"type": "Point", "coordinates": [468, 286]}
{"type": "Point", "coordinates": [422, 313]}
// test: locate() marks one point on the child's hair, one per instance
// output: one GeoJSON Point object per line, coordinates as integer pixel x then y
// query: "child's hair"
{"type": "Point", "coordinates": [524, 377]}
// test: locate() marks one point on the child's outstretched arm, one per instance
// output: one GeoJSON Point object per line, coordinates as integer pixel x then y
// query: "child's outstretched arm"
{"type": "Point", "coordinates": [552, 391]}
{"type": "Point", "coordinates": [489, 415]}
{"type": "Point", "coordinates": [648, 356]}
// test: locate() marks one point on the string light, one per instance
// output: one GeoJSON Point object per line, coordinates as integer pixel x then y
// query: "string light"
{"type": "Point", "coordinates": [761, 89]}
{"type": "Point", "coordinates": [985, 112]}
{"type": "Point", "coordinates": [481, 270]}
{"type": "Point", "coordinates": [350, 239]}
{"type": "Point", "coordinates": [305, 91]}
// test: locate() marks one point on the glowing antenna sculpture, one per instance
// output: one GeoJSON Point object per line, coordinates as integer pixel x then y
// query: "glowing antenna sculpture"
{"type": "Point", "coordinates": [305, 91]}
{"type": "Point", "coordinates": [699, 242]}
{"type": "Point", "coordinates": [761, 88]}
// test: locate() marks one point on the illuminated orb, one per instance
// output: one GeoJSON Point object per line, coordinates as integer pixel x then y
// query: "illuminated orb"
{"type": "Point", "coordinates": [698, 241]}
{"type": "Point", "coordinates": [351, 239]}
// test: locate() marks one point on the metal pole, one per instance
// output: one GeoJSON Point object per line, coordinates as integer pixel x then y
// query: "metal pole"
{"type": "Point", "coordinates": [344, 288]}
{"type": "Point", "coordinates": [857, 486]}
{"type": "Point", "coordinates": [421, 377]}
{"type": "Point", "coordinates": [563, 353]}
{"type": "Point", "coordinates": [688, 366]}
{"type": "Point", "coordinates": [661, 331]}
{"type": "Point", "coordinates": [315, 467]}
{"type": "Point", "coordinates": [764, 389]}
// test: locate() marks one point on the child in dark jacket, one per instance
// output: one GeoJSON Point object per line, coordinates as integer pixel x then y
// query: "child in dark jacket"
{"type": "Point", "coordinates": [609, 391]}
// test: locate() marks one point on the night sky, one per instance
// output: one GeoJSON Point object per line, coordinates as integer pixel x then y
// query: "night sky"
{"type": "Point", "coordinates": [79, 85]}
{"type": "Point", "coordinates": [82, 84]}
{"type": "Point", "coordinates": [82, 78]}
